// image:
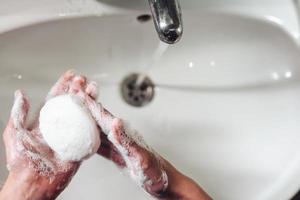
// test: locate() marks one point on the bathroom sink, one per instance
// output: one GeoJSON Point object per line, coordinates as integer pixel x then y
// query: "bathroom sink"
{"type": "Point", "coordinates": [226, 109]}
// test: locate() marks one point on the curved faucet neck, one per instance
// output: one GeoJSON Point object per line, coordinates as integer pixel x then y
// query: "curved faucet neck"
{"type": "Point", "coordinates": [167, 19]}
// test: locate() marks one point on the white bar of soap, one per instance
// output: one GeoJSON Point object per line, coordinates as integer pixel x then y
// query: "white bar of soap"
{"type": "Point", "coordinates": [68, 128]}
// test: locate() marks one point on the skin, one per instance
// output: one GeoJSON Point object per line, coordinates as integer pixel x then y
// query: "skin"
{"type": "Point", "coordinates": [25, 181]}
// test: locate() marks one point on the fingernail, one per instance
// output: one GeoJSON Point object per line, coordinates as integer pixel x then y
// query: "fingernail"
{"type": "Point", "coordinates": [80, 79]}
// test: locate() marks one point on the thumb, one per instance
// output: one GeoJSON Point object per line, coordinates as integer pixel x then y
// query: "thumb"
{"type": "Point", "coordinates": [19, 110]}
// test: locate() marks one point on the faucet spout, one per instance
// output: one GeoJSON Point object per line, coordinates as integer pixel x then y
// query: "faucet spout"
{"type": "Point", "coordinates": [167, 19]}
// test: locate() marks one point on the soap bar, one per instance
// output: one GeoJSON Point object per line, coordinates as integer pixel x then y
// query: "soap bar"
{"type": "Point", "coordinates": [68, 128]}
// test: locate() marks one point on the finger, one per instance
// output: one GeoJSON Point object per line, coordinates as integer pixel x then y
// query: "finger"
{"type": "Point", "coordinates": [137, 158]}
{"type": "Point", "coordinates": [118, 159]}
{"type": "Point", "coordinates": [9, 138]}
{"type": "Point", "coordinates": [62, 85]}
{"type": "Point", "coordinates": [103, 118]}
{"type": "Point", "coordinates": [104, 151]}
{"type": "Point", "coordinates": [20, 110]}
{"type": "Point", "coordinates": [78, 84]}
{"type": "Point", "coordinates": [119, 134]}
{"type": "Point", "coordinates": [128, 150]}
{"type": "Point", "coordinates": [109, 151]}
{"type": "Point", "coordinates": [104, 141]}
{"type": "Point", "coordinates": [106, 146]}
{"type": "Point", "coordinates": [19, 115]}
{"type": "Point", "coordinates": [92, 90]}
{"type": "Point", "coordinates": [16, 124]}
{"type": "Point", "coordinates": [124, 143]}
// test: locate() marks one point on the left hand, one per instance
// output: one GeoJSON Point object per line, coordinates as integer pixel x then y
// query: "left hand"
{"type": "Point", "coordinates": [29, 158]}
{"type": "Point", "coordinates": [145, 166]}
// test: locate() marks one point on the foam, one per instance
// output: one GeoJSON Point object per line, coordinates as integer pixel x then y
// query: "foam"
{"type": "Point", "coordinates": [41, 164]}
{"type": "Point", "coordinates": [17, 113]}
{"type": "Point", "coordinates": [98, 112]}
{"type": "Point", "coordinates": [31, 147]}
{"type": "Point", "coordinates": [133, 164]}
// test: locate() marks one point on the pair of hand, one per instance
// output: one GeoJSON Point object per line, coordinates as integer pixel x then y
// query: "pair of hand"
{"type": "Point", "coordinates": [29, 157]}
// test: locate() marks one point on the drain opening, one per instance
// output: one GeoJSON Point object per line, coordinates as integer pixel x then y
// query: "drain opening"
{"type": "Point", "coordinates": [143, 18]}
{"type": "Point", "coordinates": [137, 90]}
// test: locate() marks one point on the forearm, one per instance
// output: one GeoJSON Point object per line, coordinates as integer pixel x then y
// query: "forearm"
{"type": "Point", "coordinates": [182, 187]}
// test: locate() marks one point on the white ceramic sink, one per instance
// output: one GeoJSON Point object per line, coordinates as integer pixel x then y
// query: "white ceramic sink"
{"type": "Point", "coordinates": [227, 105]}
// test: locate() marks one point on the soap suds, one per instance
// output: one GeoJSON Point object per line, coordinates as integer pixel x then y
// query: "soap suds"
{"type": "Point", "coordinates": [24, 138]}
{"type": "Point", "coordinates": [17, 113]}
{"type": "Point", "coordinates": [133, 163]}
{"type": "Point", "coordinates": [68, 128]}
{"type": "Point", "coordinates": [135, 136]}
{"type": "Point", "coordinates": [41, 164]}
{"type": "Point", "coordinates": [54, 130]}
{"type": "Point", "coordinates": [98, 112]}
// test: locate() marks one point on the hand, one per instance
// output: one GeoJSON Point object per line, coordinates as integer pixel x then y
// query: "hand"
{"type": "Point", "coordinates": [127, 150]}
{"type": "Point", "coordinates": [34, 168]}
{"type": "Point", "coordinates": [152, 172]}
{"type": "Point", "coordinates": [146, 167]}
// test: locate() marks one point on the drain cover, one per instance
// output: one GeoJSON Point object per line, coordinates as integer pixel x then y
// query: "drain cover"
{"type": "Point", "coordinates": [137, 90]}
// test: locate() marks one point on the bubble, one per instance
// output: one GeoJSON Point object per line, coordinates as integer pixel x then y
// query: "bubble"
{"type": "Point", "coordinates": [40, 164]}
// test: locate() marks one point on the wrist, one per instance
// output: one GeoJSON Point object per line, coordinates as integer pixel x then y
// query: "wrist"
{"type": "Point", "coordinates": [182, 187]}
{"type": "Point", "coordinates": [27, 185]}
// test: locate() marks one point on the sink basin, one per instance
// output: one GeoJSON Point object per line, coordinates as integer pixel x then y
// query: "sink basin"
{"type": "Point", "coordinates": [227, 105]}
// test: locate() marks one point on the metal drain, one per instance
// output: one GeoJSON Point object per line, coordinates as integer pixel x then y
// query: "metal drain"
{"type": "Point", "coordinates": [137, 90]}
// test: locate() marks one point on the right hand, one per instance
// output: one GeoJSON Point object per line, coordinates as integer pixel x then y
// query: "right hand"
{"type": "Point", "coordinates": [153, 173]}
{"type": "Point", "coordinates": [144, 165]}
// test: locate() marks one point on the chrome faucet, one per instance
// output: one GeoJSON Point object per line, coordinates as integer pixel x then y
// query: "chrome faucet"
{"type": "Point", "coordinates": [167, 19]}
